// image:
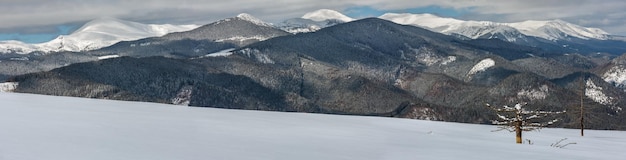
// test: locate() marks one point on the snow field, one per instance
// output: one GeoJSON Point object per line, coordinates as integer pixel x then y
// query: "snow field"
{"type": "Point", "coordinates": [482, 66]}
{"type": "Point", "coordinates": [49, 127]}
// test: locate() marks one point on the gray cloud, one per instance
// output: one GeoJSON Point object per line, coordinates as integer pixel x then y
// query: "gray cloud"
{"type": "Point", "coordinates": [605, 14]}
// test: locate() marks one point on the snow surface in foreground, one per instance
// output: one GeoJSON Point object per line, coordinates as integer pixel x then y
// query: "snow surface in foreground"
{"type": "Point", "coordinates": [48, 127]}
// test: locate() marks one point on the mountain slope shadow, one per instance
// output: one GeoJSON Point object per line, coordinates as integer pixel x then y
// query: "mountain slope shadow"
{"type": "Point", "coordinates": [154, 79]}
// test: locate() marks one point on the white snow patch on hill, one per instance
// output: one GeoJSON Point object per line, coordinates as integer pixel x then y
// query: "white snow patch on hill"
{"type": "Point", "coordinates": [617, 76]}
{"type": "Point", "coordinates": [242, 39]}
{"type": "Point", "coordinates": [534, 94]}
{"type": "Point", "coordinates": [222, 53]}
{"type": "Point", "coordinates": [20, 59]}
{"type": "Point", "coordinates": [108, 57]}
{"type": "Point", "coordinates": [8, 86]}
{"type": "Point", "coordinates": [448, 60]}
{"type": "Point", "coordinates": [431, 59]}
{"type": "Point", "coordinates": [595, 93]}
{"type": "Point", "coordinates": [482, 66]}
{"type": "Point", "coordinates": [183, 97]}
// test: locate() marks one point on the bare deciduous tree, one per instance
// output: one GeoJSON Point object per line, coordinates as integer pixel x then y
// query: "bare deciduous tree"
{"type": "Point", "coordinates": [517, 119]}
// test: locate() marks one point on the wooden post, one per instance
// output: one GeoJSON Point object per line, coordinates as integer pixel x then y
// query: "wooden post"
{"type": "Point", "coordinates": [582, 119]}
{"type": "Point", "coordinates": [582, 108]}
{"type": "Point", "coordinates": [518, 125]}
{"type": "Point", "coordinates": [518, 132]}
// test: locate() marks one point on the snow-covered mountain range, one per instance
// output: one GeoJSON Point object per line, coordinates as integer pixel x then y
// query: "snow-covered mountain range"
{"type": "Point", "coordinates": [550, 30]}
{"type": "Point", "coordinates": [108, 31]}
{"type": "Point", "coordinates": [96, 34]}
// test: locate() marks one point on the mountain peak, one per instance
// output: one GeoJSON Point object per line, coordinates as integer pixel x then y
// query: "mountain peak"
{"type": "Point", "coordinates": [326, 14]}
{"type": "Point", "coordinates": [250, 18]}
{"type": "Point", "coordinates": [554, 30]}
{"type": "Point", "coordinates": [423, 20]}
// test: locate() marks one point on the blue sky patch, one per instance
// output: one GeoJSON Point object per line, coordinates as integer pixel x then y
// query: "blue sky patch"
{"type": "Point", "coordinates": [39, 37]}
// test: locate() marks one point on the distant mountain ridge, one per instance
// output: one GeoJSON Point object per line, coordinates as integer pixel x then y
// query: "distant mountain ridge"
{"type": "Point", "coordinates": [221, 35]}
{"type": "Point", "coordinates": [95, 34]}
{"type": "Point", "coordinates": [554, 36]}
{"type": "Point", "coordinates": [550, 30]}
{"type": "Point", "coordinates": [557, 35]}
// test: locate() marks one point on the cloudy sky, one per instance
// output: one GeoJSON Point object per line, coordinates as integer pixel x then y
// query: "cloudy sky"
{"type": "Point", "coordinates": [40, 20]}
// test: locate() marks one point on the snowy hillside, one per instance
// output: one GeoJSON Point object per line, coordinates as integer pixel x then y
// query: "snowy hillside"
{"type": "Point", "coordinates": [250, 18]}
{"type": "Point", "coordinates": [617, 76]}
{"type": "Point", "coordinates": [550, 30]}
{"type": "Point", "coordinates": [96, 34]}
{"type": "Point", "coordinates": [558, 29]}
{"type": "Point", "coordinates": [326, 14]}
{"type": "Point", "coordinates": [314, 21]}
{"type": "Point", "coordinates": [73, 128]}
